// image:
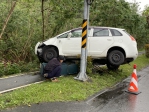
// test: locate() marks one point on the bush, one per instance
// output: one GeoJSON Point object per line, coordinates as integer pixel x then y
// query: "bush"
{"type": "Point", "coordinates": [8, 68]}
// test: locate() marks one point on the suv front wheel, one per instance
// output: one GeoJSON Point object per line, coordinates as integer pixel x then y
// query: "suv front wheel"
{"type": "Point", "coordinates": [49, 53]}
{"type": "Point", "coordinates": [116, 57]}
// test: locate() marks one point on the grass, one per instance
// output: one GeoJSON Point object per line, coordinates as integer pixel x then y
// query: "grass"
{"type": "Point", "coordinates": [68, 89]}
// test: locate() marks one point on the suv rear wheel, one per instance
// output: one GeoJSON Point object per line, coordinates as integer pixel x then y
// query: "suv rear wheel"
{"type": "Point", "coordinates": [49, 53]}
{"type": "Point", "coordinates": [116, 57]}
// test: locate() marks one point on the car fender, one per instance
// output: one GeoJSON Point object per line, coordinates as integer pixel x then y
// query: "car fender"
{"type": "Point", "coordinates": [129, 49]}
{"type": "Point", "coordinates": [54, 42]}
{"type": "Point", "coordinates": [105, 53]}
{"type": "Point", "coordinates": [51, 41]}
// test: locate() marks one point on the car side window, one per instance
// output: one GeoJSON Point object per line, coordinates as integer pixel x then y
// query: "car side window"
{"type": "Point", "coordinates": [76, 33]}
{"type": "Point", "coordinates": [63, 36]}
{"type": "Point", "coordinates": [115, 32]}
{"type": "Point", "coordinates": [98, 32]}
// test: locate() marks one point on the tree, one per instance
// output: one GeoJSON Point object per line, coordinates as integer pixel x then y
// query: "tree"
{"type": "Point", "coordinates": [146, 14]}
{"type": "Point", "coordinates": [7, 19]}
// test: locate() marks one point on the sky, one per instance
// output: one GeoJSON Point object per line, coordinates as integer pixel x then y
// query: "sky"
{"type": "Point", "coordinates": [142, 3]}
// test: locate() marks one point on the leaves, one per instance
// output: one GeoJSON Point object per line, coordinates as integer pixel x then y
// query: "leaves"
{"type": "Point", "coordinates": [146, 11]}
{"type": "Point", "coordinates": [24, 28]}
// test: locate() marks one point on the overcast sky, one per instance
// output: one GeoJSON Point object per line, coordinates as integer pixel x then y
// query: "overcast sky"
{"type": "Point", "coordinates": [142, 3]}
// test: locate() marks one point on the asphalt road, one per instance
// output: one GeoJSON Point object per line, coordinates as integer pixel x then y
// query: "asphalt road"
{"type": "Point", "coordinates": [120, 101]}
{"type": "Point", "coordinates": [15, 82]}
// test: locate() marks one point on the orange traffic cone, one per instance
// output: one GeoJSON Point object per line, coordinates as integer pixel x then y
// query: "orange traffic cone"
{"type": "Point", "coordinates": [133, 86]}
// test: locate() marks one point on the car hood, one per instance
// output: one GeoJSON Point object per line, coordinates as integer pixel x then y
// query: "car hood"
{"type": "Point", "coordinates": [50, 41]}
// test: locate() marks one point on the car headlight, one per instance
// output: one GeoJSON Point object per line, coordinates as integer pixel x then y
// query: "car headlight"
{"type": "Point", "coordinates": [39, 50]}
{"type": "Point", "coordinates": [41, 45]}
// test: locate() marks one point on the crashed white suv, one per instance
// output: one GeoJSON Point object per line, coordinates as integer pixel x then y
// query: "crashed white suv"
{"type": "Point", "coordinates": [105, 45]}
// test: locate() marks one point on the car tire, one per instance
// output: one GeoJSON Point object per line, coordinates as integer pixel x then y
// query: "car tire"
{"type": "Point", "coordinates": [112, 67]}
{"type": "Point", "coordinates": [49, 53]}
{"type": "Point", "coordinates": [116, 57]}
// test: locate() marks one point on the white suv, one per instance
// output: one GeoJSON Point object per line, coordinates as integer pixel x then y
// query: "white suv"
{"type": "Point", "coordinates": [105, 45]}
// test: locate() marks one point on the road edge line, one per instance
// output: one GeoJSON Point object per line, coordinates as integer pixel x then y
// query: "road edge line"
{"type": "Point", "coordinates": [8, 90]}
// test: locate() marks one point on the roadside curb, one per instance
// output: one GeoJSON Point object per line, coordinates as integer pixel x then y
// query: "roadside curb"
{"type": "Point", "coordinates": [8, 90]}
{"type": "Point", "coordinates": [20, 74]}
{"type": "Point", "coordinates": [18, 81]}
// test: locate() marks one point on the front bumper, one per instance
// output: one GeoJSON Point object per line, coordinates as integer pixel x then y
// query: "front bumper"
{"type": "Point", "coordinates": [36, 47]}
{"type": "Point", "coordinates": [39, 50]}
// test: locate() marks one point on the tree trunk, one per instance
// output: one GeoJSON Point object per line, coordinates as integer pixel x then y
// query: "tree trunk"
{"type": "Point", "coordinates": [7, 19]}
{"type": "Point", "coordinates": [42, 11]}
{"type": "Point", "coordinates": [147, 20]}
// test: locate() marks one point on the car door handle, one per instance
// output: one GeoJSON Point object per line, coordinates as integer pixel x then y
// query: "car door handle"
{"type": "Point", "coordinates": [59, 41]}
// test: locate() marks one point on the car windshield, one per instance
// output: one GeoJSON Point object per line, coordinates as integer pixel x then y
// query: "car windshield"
{"type": "Point", "coordinates": [76, 33]}
{"type": "Point", "coordinates": [63, 35]}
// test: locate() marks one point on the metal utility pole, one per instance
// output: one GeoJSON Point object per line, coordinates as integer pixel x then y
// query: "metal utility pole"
{"type": "Point", "coordinates": [82, 74]}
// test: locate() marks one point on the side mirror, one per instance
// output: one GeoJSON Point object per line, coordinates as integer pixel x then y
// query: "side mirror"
{"type": "Point", "coordinates": [69, 35]}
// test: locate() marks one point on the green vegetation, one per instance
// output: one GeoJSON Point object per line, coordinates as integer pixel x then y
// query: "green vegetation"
{"type": "Point", "coordinates": [68, 89]}
{"type": "Point", "coordinates": [25, 26]}
{"type": "Point", "coordinates": [8, 68]}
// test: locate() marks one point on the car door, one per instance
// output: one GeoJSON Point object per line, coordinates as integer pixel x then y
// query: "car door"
{"type": "Point", "coordinates": [71, 46]}
{"type": "Point", "coordinates": [100, 40]}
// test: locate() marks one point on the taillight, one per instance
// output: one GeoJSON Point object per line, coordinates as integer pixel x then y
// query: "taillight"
{"type": "Point", "coordinates": [132, 38]}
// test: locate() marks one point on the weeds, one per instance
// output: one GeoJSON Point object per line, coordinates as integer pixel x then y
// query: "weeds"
{"type": "Point", "coordinates": [9, 68]}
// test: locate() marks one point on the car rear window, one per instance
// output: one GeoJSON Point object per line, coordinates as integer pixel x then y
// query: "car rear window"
{"type": "Point", "coordinates": [98, 32]}
{"type": "Point", "coordinates": [115, 32]}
